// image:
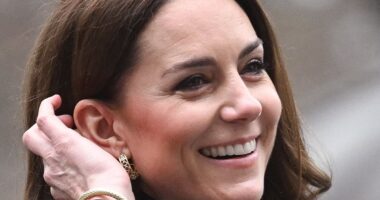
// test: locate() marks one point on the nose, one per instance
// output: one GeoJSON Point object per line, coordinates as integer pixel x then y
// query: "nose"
{"type": "Point", "coordinates": [241, 104]}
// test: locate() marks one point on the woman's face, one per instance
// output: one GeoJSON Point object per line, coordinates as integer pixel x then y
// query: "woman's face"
{"type": "Point", "coordinates": [199, 113]}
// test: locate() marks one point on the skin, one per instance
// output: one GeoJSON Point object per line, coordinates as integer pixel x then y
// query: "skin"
{"type": "Point", "coordinates": [165, 125]}
{"type": "Point", "coordinates": [67, 171]}
{"type": "Point", "coordinates": [163, 121]}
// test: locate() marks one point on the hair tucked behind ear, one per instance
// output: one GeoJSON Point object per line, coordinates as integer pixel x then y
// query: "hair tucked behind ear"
{"type": "Point", "coordinates": [84, 50]}
{"type": "Point", "coordinates": [291, 174]}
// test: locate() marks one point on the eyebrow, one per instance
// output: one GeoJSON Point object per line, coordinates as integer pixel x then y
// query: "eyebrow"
{"type": "Point", "coordinates": [250, 47]}
{"type": "Point", "coordinates": [209, 61]}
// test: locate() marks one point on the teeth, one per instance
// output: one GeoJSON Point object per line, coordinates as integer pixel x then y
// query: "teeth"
{"type": "Point", "coordinates": [247, 146]}
{"type": "Point", "coordinates": [230, 150]}
{"type": "Point", "coordinates": [239, 150]}
{"type": "Point", "coordinates": [253, 144]}
{"type": "Point", "coordinates": [214, 152]}
{"type": "Point", "coordinates": [221, 151]}
{"type": "Point", "coordinates": [206, 152]}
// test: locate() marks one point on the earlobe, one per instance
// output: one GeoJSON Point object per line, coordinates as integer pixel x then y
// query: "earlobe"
{"type": "Point", "coordinates": [94, 120]}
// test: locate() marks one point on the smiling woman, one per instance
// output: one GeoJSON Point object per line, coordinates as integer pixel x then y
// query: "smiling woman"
{"type": "Point", "coordinates": [183, 89]}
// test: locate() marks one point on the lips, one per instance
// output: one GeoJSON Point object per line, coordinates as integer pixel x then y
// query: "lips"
{"type": "Point", "coordinates": [229, 151]}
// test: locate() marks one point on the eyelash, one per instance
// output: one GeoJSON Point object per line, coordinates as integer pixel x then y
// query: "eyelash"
{"type": "Point", "coordinates": [194, 82]}
{"type": "Point", "coordinates": [258, 67]}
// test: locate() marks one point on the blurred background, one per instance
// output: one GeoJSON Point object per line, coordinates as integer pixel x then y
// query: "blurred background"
{"type": "Point", "coordinates": [332, 53]}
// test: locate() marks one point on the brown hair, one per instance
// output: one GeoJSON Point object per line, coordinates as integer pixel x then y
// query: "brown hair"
{"type": "Point", "coordinates": [88, 46]}
{"type": "Point", "coordinates": [291, 174]}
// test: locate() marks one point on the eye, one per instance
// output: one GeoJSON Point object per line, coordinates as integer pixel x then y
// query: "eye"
{"type": "Point", "coordinates": [254, 67]}
{"type": "Point", "coordinates": [192, 82]}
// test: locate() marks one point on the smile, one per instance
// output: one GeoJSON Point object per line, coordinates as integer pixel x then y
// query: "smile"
{"type": "Point", "coordinates": [229, 151]}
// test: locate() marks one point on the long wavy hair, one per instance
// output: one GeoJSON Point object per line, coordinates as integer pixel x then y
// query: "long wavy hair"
{"type": "Point", "coordinates": [88, 46]}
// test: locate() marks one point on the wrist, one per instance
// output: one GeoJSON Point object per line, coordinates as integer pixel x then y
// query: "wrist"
{"type": "Point", "coordinates": [101, 194]}
{"type": "Point", "coordinates": [120, 185]}
{"type": "Point", "coordinates": [101, 197]}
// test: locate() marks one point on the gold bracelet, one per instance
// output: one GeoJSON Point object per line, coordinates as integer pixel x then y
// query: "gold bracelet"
{"type": "Point", "coordinates": [98, 192]}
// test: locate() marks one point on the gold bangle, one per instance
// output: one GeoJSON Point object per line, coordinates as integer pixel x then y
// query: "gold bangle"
{"type": "Point", "coordinates": [98, 192]}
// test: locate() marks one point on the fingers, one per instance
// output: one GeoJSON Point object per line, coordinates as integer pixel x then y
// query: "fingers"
{"type": "Point", "coordinates": [48, 122]}
{"type": "Point", "coordinates": [39, 137]}
{"type": "Point", "coordinates": [50, 139]}
{"type": "Point", "coordinates": [58, 194]}
{"type": "Point", "coordinates": [67, 120]}
{"type": "Point", "coordinates": [36, 141]}
{"type": "Point", "coordinates": [49, 105]}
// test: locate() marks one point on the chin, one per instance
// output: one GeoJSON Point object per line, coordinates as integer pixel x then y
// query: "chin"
{"type": "Point", "coordinates": [244, 191]}
{"type": "Point", "coordinates": [249, 193]}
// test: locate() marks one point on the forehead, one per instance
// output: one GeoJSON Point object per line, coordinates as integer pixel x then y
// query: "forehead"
{"type": "Point", "coordinates": [199, 14]}
{"type": "Point", "coordinates": [188, 25]}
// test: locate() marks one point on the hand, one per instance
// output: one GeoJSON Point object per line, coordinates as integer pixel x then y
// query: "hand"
{"type": "Point", "coordinates": [72, 163]}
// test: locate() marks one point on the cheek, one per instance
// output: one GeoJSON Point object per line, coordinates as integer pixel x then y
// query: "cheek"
{"type": "Point", "coordinates": [272, 107]}
{"type": "Point", "coordinates": [271, 104]}
{"type": "Point", "coordinates": [161, 137]}
{"type": "Point", "coordinates": [158, 122]}
{"type": "Point", "coordinates": [271, 114]}
{"type": "Point", "coordinates": [169, 119]}
{"type": "Point", "coordinates": [162, 129]}
{"type": "Point", "coordinates": [154, 140]}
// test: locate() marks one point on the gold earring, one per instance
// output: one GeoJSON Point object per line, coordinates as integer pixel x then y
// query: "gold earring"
{"type": "Point", "coordinates": [130, 168]}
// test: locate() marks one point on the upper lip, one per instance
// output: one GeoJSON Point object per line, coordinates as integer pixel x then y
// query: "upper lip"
{"type": "Point", "coordinates": [232, 142]}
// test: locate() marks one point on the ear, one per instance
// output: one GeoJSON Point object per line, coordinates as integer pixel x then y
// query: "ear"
{"type": "Point", "coordinates": [94, 120]}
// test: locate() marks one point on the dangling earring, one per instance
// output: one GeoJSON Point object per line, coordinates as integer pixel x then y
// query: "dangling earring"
{"type": "Point", "coordinates": [130, 168]}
